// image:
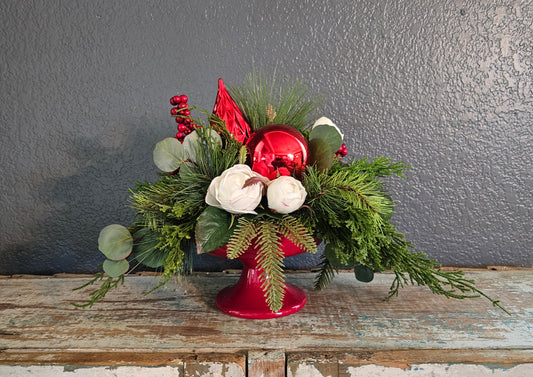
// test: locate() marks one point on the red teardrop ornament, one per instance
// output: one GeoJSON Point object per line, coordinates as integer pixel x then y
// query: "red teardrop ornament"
{"type": "Point", "coordinates": [227, 110]}
{"type": "Point", "coordinates": [277, 150]}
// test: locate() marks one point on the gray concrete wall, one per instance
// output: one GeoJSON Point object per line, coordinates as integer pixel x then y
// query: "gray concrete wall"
{"type": "Point", "coordinates": [446, 86]}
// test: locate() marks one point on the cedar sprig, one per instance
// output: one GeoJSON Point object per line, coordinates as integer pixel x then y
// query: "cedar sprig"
{"type": "Point", "coordinates": [99, 294]}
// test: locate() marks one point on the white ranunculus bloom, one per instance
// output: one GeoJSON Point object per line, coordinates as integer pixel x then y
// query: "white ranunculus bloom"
{"type": "Point", "coordinates": [226, 191]}
{"type": "Point", "coordinates": [327, 121]}
{"type": "Point", "coordinates": [285, 194]}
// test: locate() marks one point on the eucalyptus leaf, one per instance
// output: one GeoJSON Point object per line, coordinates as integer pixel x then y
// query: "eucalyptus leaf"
{"type": "Point", "coordinates": [327, 133]}
{"type": "Point", "coordinates": [168, 154]}
{"type": "Point", "coordinates": [187, 168]}
{"type": "Point", "coordinates": [145, 250]}
{"type": "Point", "coordinates": [363, 273]}
{"type": "Point", "coordinates": [116, 268]}
{"type": "Point", "coordinates": [321, 154]}
{"type": "Point", "coordinates": [212, 229]}
{"type": "Point", "coordinates": [115, 242]}
{"type": "Point", "coordinates": [191, 143]}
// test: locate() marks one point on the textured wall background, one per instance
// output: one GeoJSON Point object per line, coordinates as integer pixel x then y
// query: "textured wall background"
{"type": "Point", "coordinates": [446, 86]}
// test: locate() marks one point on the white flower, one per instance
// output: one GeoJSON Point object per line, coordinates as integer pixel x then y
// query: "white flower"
{"type": "Point", "coordinates": [285, 194]}
{"type": "Point", "coordinates": [226, 191]}
{"type": "Point", "coordinates": [327, 122]}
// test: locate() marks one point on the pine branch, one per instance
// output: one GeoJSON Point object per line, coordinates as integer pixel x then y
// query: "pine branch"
{"type": "Point", "coordinates": [258, 100]}
{"type": "Point", "coordinates": [380, 167]}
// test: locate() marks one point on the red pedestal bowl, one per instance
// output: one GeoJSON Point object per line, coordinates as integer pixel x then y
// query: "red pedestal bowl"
{"type": "Point", "coordinates": [246, 299]}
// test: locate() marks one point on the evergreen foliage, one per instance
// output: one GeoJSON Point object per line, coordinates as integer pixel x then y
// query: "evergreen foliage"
{"type": "Point", "coordinates": [346, 207]}
{"type": "Point", "coordinates": [269, 102]}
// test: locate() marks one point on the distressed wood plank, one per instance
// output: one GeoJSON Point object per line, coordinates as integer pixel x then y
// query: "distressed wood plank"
{"type": "Point", "coordinates": [100, 371]}
{"type": "Point", "coordinates": [366, 362]}
{"type": "Point", "coordinates": [312, 365]}
{"type": "Point", "coordinates": [214, 365]}
{"type": "Point", "coordinates": [266, 364]}
{"type": "Point", "coordinates": [35, 314]}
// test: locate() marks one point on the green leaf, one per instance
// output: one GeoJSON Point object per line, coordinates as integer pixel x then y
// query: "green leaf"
{"type": "Point", "coordinates": [115, 242]}
{"type": "Point", "coordinates": [146, 251]}
{"type": "Point", "coordinates": [327, 133]}
{"type": "Point", "coordinates": [191, 143]}
{"type": "Point", "coordinates": [116, 268]}
{"type": "Point", "coordinates": [321, 154]}
{"type": "Point", "coordinates": [363, 273]}
{"type": "Point", "coordinates": [168, 154]}
{"type": "Point", "coordinates": [212, 229]}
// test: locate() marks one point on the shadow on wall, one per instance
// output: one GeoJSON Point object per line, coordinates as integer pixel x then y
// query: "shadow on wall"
{"type": "Point", "coordinates": [78, 206]}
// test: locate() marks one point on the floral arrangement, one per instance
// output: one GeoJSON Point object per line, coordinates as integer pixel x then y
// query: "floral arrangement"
{"type": "Point", "coordinates": [260, 167]}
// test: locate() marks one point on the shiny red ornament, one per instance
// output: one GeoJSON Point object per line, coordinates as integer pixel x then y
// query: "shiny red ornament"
{"type": "Point", "coordinates": [227, 110]}
{"type": "Point", "coordinates": [277, 149]}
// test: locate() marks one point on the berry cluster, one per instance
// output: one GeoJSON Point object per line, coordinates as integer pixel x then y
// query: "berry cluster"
{"type": "Point", "coordinates": [343, 151]}
{"type": "Point", "coordinates": [182, 113]}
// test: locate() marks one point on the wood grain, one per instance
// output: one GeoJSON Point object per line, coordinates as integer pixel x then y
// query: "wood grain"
{"type": "Point", "coordinates": [39, 325]}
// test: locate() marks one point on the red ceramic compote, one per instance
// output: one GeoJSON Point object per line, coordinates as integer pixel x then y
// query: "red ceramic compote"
{"type": "Point", "coordinates": [246, 299]}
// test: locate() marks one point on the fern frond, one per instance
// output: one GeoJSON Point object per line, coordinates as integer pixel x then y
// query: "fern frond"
{"type": "Point", "coordinates": [292, 228]}
{"type": "Point", "coordinates": [270, 261]}
{"type": "Point", "coordinates": [245, 232]}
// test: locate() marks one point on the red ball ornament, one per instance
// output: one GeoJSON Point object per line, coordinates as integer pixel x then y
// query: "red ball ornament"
{"type": "Point", "coordinates": [277, 150]}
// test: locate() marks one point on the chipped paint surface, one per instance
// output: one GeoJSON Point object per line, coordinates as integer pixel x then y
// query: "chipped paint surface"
{"type": "Point", "coordinates": [182, 316]}
{"type": "Point", "coordinates": [346, 330]}
{"type": "Point", "coordinates": [214, 369]}
{"type": "Point", "coordinates": [438, 370]}
{"type": "Point", "coordinates": [54, 371]}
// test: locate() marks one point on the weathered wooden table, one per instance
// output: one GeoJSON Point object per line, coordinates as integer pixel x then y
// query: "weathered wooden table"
{"type": "Point", "coordinates": [345, 330]}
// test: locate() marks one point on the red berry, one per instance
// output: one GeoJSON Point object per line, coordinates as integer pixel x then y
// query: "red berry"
{"type": "Point", "coordinates": [193, 126]}
{"type": "Point", "coordinates": [179, 135]}
{"type": "Point", "coordinates": [179, 120]}
{"type": "Point", "coordinates": [182, 127]}
{"type": "Point", "coordinates": [174, 111]}
{"type": "Point", "coordinates": [183, 98]}
{"type": "Point", "coordinates": [181, 105]}
{"type": "Point", "coordinates": [186, 112]}
{"type": "Point", "coordinates": [175, 100]}
{"type": "Point", "coordinates": [188, 121]}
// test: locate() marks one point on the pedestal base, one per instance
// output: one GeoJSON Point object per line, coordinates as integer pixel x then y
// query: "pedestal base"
{"type": "Point", "coordinates": [246, 299]}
